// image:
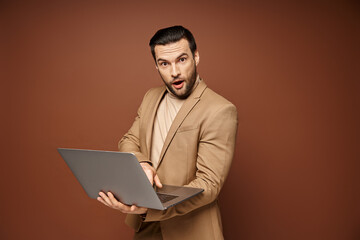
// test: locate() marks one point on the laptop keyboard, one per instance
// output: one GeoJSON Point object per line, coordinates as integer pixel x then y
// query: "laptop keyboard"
{"type": "Point", "coordinates": [165, 197]}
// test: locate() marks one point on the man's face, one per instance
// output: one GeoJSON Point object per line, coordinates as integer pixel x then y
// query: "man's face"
{"type": "Point", "coordinates": [177, 67]}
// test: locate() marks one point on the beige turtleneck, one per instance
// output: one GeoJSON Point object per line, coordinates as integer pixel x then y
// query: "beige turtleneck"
{"type": "Point", "coordinates": [167, 111]}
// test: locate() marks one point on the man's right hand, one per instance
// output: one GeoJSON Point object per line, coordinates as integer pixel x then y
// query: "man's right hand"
{"type": "Point", "coordinates": [151, 174]}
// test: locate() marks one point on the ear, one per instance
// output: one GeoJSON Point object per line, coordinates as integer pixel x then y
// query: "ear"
{"type": "Point", "coordinates": [197, 57]}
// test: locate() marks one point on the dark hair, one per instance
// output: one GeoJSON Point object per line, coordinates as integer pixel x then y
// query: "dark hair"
{"type": "Point", "coordinates": [170, 35]}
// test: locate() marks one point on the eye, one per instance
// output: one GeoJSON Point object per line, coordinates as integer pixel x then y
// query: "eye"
{"type": "Point", "coordinates": [163, 64]}
{"type": "Point", "coordinates": [183, 59]}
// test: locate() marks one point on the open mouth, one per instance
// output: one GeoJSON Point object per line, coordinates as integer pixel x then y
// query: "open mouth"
{"type": "Point", "coordinates": [178, 84]}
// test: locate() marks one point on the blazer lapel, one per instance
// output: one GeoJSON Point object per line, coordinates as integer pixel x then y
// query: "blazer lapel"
{"type": "Point", "coordinates": [188, 105]}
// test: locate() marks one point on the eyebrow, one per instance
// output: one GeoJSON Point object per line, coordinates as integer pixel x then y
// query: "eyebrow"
{"type": "Point", "coordinates": [181, 55]}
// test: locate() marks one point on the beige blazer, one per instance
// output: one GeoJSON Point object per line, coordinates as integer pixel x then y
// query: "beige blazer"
{"type": "Point", "coordinates": [197, 152]}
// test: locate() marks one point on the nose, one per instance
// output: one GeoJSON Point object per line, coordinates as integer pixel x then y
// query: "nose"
{"type": "Point", "coordinates": [175, 72]}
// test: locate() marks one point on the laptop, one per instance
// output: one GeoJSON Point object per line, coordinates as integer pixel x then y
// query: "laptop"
{"type": "Point", "coordinates": [121, 174]}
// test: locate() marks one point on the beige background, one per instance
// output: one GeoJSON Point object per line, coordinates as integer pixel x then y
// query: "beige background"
{"type": "Point", "coordinates": [74, 72]}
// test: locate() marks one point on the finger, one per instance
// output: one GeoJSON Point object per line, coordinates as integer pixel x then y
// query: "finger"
{"type": "Point", "coordinates": [118, 205]}
{"type": "Point", "coordinates": [133, 208]}
{"type": "Point", "coordinates": [113, 200]}
{"type": "Point", "coordinates": [102, 201]}
{"type": "Point", "coordinates": [150, 174]}
{"type": "Point", "coordinates": [137, 210]}
{"type": "Point", "coordinates": [149, 171]}
{"type": "Point", "coordinates": [105, 198]}
{"type": "Point", "coordinates": [157, 181]}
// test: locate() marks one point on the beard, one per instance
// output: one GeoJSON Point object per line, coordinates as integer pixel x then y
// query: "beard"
{"type": "Point", "coordinates": [188, 86]}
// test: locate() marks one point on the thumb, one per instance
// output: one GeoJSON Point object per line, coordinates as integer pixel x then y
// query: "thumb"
{"type": "Point", "coordinates": [157, 181]}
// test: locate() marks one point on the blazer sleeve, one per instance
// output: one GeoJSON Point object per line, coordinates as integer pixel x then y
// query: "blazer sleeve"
{"type": "Point", "coordinates": [215, 154]}
{"type": "Point", "coordinates": [130, 142]}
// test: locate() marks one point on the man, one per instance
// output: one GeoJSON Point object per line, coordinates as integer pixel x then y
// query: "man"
{"type": "Point", "coordinates": [184, 135]}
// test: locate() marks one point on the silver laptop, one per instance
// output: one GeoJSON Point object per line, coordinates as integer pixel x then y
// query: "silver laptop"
{"type": "Point", "coordinates": [121, 174]}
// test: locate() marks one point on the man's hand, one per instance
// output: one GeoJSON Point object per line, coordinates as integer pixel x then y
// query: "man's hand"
{"type": "Point", "coordinates": [110, 201]}
{"type": "Point", "coordinates": [151, 174]}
